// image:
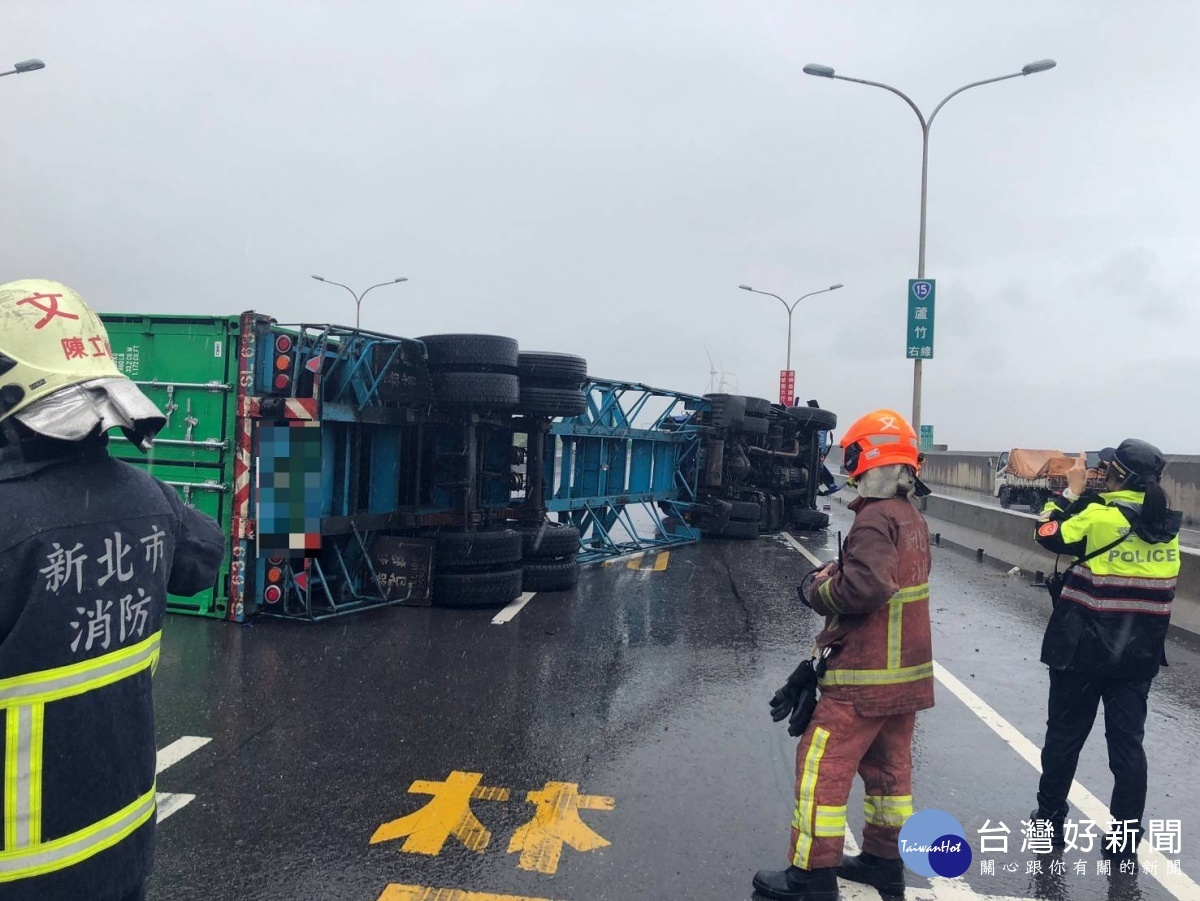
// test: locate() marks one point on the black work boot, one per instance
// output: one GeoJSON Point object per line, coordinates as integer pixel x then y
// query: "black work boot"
{"type": "Point", "coordinates": [795, 884]}
{"type": "Point", "coordinates": [1058, 840]}
{"type": "Point", "coordinates": [867, 869]}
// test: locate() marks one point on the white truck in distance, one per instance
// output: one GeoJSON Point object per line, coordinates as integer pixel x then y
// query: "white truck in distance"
{"type": "Point", "coordinates": [1032, 477]}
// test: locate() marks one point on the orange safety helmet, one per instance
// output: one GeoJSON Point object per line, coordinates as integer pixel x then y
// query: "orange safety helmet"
{"type": "Point", "coordinates": [881, 438]}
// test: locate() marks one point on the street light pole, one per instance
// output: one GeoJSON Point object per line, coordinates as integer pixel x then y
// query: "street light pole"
{"type": "Point", "coordinates": [790, 309]}
{"type": "Point", "coordinates": [820, 71]}
{"type": "Point", "coordinates": [25, 65]}
{"type": "Point", "coordinates": [358, 298]}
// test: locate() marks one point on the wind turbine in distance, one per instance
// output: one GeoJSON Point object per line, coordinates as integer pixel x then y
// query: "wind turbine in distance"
{"type": "Point", "coordinates": [717, 383]}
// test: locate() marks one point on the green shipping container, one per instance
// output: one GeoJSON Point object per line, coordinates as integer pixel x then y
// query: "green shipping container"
{"type": "Point", "coordinates": [187, 365]}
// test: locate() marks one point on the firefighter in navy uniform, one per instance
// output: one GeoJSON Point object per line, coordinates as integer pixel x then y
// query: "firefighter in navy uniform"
{"type": "Point", "coordinates": [1107, 633]}
{"type": "Point", "coordinates": [876, 607]}
{"type": "Point", "coordinates": [89, 548]}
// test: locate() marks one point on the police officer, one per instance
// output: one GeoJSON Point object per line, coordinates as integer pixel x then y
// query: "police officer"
{"type": "Point", "coordinates": [1107, 633]}
{"type": "Point", "coordinates": [876, 607]}
{"type": "Point", "coordinates": [89, 548]}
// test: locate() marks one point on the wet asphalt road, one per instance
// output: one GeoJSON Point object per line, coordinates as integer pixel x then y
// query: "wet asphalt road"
{"type": "Point", "coordinates": [646, 687]}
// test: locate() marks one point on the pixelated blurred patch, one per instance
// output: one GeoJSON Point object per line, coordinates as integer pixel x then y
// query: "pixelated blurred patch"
{"type": "Point", "coordinates": [289, 488]}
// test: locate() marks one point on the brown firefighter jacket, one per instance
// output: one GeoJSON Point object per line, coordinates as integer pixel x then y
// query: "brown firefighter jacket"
{"type": "Point", "coordinates": [876, 606]}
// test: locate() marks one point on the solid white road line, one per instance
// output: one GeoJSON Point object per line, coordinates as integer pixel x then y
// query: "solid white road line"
{"type": "Point", "coordinates": [802, 549]}
{"type": "Point", "coordinates": [1178, 884]}
{"type": "Point", "coordinates": [179, 749]}
{"type": "Point", "coordinates": [512, 609]}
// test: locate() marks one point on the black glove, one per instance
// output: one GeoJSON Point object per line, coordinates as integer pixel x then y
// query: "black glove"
{"type": "Point", "coordinates": [786, 699]}
{"type": "Point", "coordinates": [804, 710]}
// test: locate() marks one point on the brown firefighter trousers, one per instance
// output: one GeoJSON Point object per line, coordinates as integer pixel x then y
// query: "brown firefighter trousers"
{"type": "Point", "coordinates": [837, 744]}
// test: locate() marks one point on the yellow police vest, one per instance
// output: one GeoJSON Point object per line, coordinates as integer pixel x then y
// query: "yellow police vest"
{"type": "Point", "coordinates": [1134, 576]}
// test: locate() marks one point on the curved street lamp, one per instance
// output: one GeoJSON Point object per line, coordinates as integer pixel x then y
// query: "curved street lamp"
{"type": "Point", "coordinates": [358, 298]}
{"type": "Point", "coordinates": [25, 65]}
{"type": "Point", "coordinates": [820, 71]}
{"type": "Point", "coordinates": [790, 309]}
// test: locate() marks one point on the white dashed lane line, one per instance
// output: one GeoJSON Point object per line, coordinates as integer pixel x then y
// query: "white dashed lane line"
{"type": "Point", "coordinates": [170, 802]}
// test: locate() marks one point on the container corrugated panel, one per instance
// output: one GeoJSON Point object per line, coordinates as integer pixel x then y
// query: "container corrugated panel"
{"type": "Point", "coordinates": [187, 365]}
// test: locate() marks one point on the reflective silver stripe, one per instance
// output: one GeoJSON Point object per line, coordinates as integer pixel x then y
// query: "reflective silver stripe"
{"type": "Point", "coordinates": [1126, 581]}
{"type": "Point", "coordinates": [65, 681]}
{"type": "Point", "coordinates": [23, 698]}
{"type": "Point", "coordinates": [1116, 605]}
{"type": "Point", "coordinates": [21, 780]}
{"type": "Point", "coordinates": [23, 776]}
{"type": "Point", "coordinates": [78, 846]}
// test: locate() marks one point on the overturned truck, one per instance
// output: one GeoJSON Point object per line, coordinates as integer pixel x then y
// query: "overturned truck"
{"type": "Point", "coordinates": [758, 467]}
{"type": "Point", "coordinates": [352, 469]}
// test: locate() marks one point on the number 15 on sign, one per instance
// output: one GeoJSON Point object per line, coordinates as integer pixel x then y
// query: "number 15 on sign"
{"type": "Point", "coordinates": [918, 340]}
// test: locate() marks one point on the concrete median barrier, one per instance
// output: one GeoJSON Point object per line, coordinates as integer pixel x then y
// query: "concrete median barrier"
{"type": "Point", "coordinates": [975, 471]}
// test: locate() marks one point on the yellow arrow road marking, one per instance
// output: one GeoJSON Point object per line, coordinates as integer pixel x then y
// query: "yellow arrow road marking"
{"type": "Point", "coordinates": [397, 892]}
{"type": "Point", "coordinates": [449, 813]}
{"type": "Point", "coordinates": [555, 824]}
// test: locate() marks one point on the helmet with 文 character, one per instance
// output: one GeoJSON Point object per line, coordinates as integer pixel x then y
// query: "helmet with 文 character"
{"type": "Point", "coordinates": [57, 374]}
{"type": "Point", "coordinates": [880, 438]}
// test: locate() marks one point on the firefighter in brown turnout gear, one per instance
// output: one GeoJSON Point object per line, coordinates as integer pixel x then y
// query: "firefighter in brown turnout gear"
{"type": "Point", "coordinates": [875, 601]}
{"type": "Point", "coordinates": [89, 548]}
{"type": "Point", "coordinates": [1106, 637]}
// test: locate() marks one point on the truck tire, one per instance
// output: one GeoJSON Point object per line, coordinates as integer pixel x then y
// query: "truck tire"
{"type": "Point", "coordinates": [755, 425]}
{"type": "Point", "coordinates": [740, 531]}
{"type": "Point", "coordinates": [810, 520]}
{"type": "Point", "coordinates": [726, 411]}
{"type": "Point", "coordinates": [471, 353]}
{"type": "Point", "coordinates": [549, 540]}
{"type": "Point", "coordinates": [772, 514]}
{"type": "Point", "coordinates": [813, 418]}
{"type": "Point", "coordinates": [1005, 497]}
{"type": "Point", "coordinates": [490, 390]}
{"type": "Point", "coordinates": [757, 406]}
{"type": "Point", "coordinates": [485, 548]}
{"type": "Point", "coordinates": [745, 511]}
{"type": "Point", "coordinates": [540, 401]}
{"type": "Point", "coordinates": [486, 589]}
{"type": "Point", "coordinates": [551, 575]}
{"type": "Point", "coordinates": [552, 370]}
{"type": "Point", "coordinates": [1037, 500]}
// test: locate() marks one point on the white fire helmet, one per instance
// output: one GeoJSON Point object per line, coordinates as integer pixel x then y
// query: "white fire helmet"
{"type": "Point", "coordinates": [57, 373]}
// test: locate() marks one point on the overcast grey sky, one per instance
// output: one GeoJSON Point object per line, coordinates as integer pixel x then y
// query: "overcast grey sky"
{"type": "Point", "coordinates": [597, 178]}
